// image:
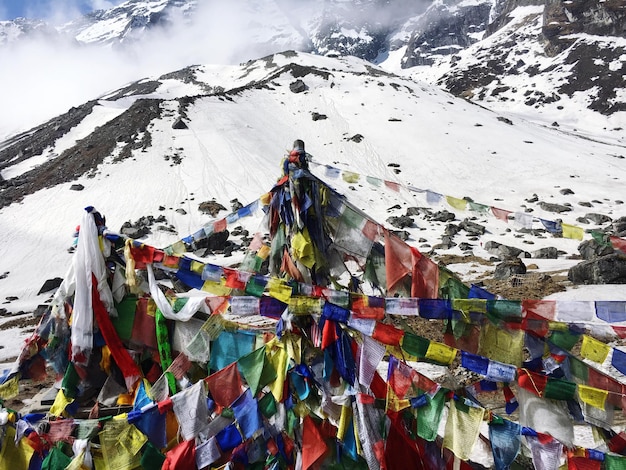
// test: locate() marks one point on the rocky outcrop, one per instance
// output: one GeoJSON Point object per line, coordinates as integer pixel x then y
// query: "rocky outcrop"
{"type": "Point", "coordinates": [595, 17]}
{"type": "Point", "coordinates": [610, 269]}
{"type": "Point", "coordinates": [444, 30]}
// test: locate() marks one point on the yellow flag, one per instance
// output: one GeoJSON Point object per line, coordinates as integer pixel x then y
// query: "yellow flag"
{"type": "Point", "coordinates": [178, 247]}
{"type": "Point", "coordinates": [279, 290]}
{"type": "Point", "coordinates": [440, 353]}
{"type": "Point", "coordinates": [216, 288]}
{"type": "Point", "coordinates": [9, 389]}
{"type": "Point", "coordinates": [594, 350]}
{"type": "Point", "coordinates": [60, 403]}
{"type": "Point", "coordinates": [500, 345]}
{"type": "Point", "coordinates": [132, 439]}
{"type": "Point", "coordinates": [470, 305]}
{"type": "Point", "coordinates": [350, 177]}
{"type": "Point", "coordinates": [456, 203]}
{"type": "Point", "coordinates": [592, 396]}
{"type": "Point", "coordinates": [572, 231]}
{"type": "Point", "coordinates": [462, 429]}
{"type": "Point", "coordinates": [394, 403]}
{"type": "Point", "coordinates": [346, 417]}
{"type": "Point", "coordinates": [14, 457]}
{"type": "Point", "coordinates": [302, 248]}
{"type": "Point", "coordinates": [278, 358]}
{"type": "Point", "coordinates": [197, 267]}
{"type": "Point", "coordinates": [264, 252]}
{"type": "Point", "coordinates": [301, 305]}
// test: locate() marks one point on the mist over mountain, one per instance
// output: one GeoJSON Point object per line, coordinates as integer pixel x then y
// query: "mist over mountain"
{"type": "Point", "coordinates": [559, 58]}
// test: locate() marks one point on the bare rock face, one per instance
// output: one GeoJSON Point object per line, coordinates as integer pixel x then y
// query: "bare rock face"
{"type": "Point", "coordinates": [600, 18]}
{"type": "Point", "coordinates": [610, 269]}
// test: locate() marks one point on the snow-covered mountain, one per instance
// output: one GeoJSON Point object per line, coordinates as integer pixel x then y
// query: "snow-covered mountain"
{"type": "Point", "coordinates": [558, 58]}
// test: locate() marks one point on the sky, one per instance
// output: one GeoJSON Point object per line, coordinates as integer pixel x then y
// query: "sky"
{"type": "Point", "coordinates": [51, 9]}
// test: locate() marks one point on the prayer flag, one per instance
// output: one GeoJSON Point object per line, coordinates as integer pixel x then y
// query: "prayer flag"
{"type": "Point", "coordinates": [246, 411]}
{"type": "Point", "coordinates": [456, 203]}
{"type": "Point", "coordinates": [612, 312]}
{"type": "Point", "coordinates": [190, 408]}
{"type": "Point", "coordinates": [207, 453]}
{"type": "Point", "coordinates": [313, 445]}
{"type": "Point", "coordinates": [440, 353]}
{"type": "Point", "coordinates": [501, 214]}
{"type": "Point", "coordinates": [572, 231]}
{"type": "Point", "coordinates": [462, 429]}
{"type": "Point", "coordinates": [592, 396]}
{"type": "Point", "coordinates": [594, 350]}
{"type": "Point", "coordinates": [429, 416]}
{"type": "Point", "coordinates": [225, 385]}
{"type": "Point", "coordinates": [546, 453]}
{"type": "Point", "coordinates": [618, 243]}
{"type": "Point", "coordinates": [372, 352]}
{"type": "Point", "coordinates": [505, 437]}
{"type": "Point", "coordinates": [618, 360]}
{"type": "Point", "coordinates": [181, 457]}
{"type": "Point", "coordinates": [398, 260]}
{"type": "Point", "coordinates": [256, 370]}
{"type": "Point", "coordinates": [583, 463]}
{"type": "Point", "coordinates": [388, 334]}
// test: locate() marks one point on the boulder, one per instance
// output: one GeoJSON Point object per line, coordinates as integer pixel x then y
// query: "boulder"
{"type": "Point", "coordinates": [551, 207]}
{"type": "Point", "coordinates": [598, 219]}
{"type": "Point", "coordinates": [508, 268]}
{"type": "Point", "coordinates": [179, 124]}
{"type": "Point", "coordinates": [505, 252]}
{"type": "Point", "coordinates": [211, 207]}
{"type": "Point", "coordinates": [401, 222]}
{"type": "Point", "coordinates": [443, 216]}
{"type": "Point", "coordinates": [472, 228]}
{"type": "Point", "coordinates": [549, 252]}
{"type": "Point", "coordinates": [50, 284]}
{"type": "Point", "coordinates": [591, 249]}
{"type": "Point", "coordinates": [298, 86]}
{"type": "Point", "coordinates": [610, 269]}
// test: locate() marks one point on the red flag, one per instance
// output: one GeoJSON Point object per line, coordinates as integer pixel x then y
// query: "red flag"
{"type": "Point", "coordinates": [582, 463]}
{"type": "Point", "coordinates": [122, 358]}
{"type": "Point", "coordinates": [313, 446]}
{"type": "Point", "coordinates": [142, 254]}
{"type": "Point", "coordinates": [425, 274]}
{"type": "Point", "coordinates": [219, 225]}
{"type": "Point", "coordinates": [289, 267]}
{"type": "Point", "coordinates": [225, 385]}
{"type": "Point", "coordinates": [387, 334]}
{"type": "Point", "coordinates": [532, 382]}
{"type": "Point", "coordinates": [618, 243]}
{"type": "Point", "coordinates": [181, 457]}
{"type": "Point", "coordinates": [398, 260]}
{"type": "Point", "coordinates": [232, 279]}
{"type": "Point", "coordinates": [501, 214]}
{"type": "Point", "coordinates": [329, 333]}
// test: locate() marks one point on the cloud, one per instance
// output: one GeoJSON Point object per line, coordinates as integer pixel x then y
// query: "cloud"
{"type": "Point", "coordinates": [46, 75]}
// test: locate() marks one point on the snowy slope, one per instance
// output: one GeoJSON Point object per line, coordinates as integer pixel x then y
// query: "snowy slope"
{"type": "Point", "coordinates": [235, 142]}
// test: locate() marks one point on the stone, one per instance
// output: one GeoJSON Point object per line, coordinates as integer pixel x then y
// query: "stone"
{"type": "Point", "coordinates": [598, 219]}
{"type": "Point", "coordinates": [77, 187]}
{"type": "Point", "coordinates": [508, 268]}
{"type": "Point", "coordinates": [401, 222]}
{"type": "Point", "coordinates": [610, 269]}
{"type": "Point", "coordinates": [472, 228]}
{"type": "Point", "coordinates": [211, 207]}
{"type": "Point", "coordinates": [551, 207]}
{"type": "Point", "coordinates": [505, 252]}
{"type": "Point", "coordinates": [298, 86]}
{"type": "Point", "coordinates": [549, 252]}
{"type": "Point", "coordinates": [591, 249]}
{"type": "Point", "coordinates": [179, 124]}
{"type": "Point", "coordinates": [50, 285]}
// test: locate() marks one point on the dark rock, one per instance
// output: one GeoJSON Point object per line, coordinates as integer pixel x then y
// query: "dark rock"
{"type": "Point", "coordinates": [534, 198]}
{"type": "Point", "coordinates": [298, 86]}
{"type": "Point", "coordinates": [77, 187]}
{"type": "Point", "coordinates": [505, 252]}
{"type": "Point", "coordinates": [585, 204]}
{"type": "Point", "coordinates": [472, 228]}
{"type": "Point", "coordinates": [318, 117]}
{"type": "Point", "coordinates": [591, 249]}
{"type": "Point", "coordinates": [50, 284]}
{"type": "Point", "coordinates": [618, 227]}
{"type": "Point", "coordinates": [451, 230]}
{"type": "Point", "coordinates": [610, 269]}
{"type": "Point", "coordinates": [551, 207]}
{"type": "Point", "coordinates": [179, 124]}
{"type": "Point", "coordinates": [508, 268]}
{"type": "Point", "coordinates": [443, 216]}
{"type": "Point", "coordinates": [505, 120]}
{"type": "Point", "coordinates": [549, 252]}
{"type": "Point", "coordinates": [181, 211]}
{"type": "Point", "coordinates": [357, 138]}
{"type": "Point", "coordinates": [235, 205]}
{"type": "Point", "coordinates": [217, 241]}
{"type": "Point", "coordinates": [598, 219]}
{"type": "Point", "coordinates": [135, 232]}
{"type": "Point", "coordinates": [446, 243]}
{"type": "Point", "coordinates": [401, 222]}
{"type": "Point", "coordinates": [40, 310]}
{"type": "Point", "coordinates": [211, 207]}
{"type": "Point", "coordinates": [566, 191]}
{"type": "Point", "coordinates": [466, 246]}
{"type": "Point", "coordinates": [401, 234]}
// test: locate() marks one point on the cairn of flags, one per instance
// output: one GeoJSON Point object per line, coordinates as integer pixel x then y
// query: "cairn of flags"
{"type": "Point", "coordinates": [294, 360]}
